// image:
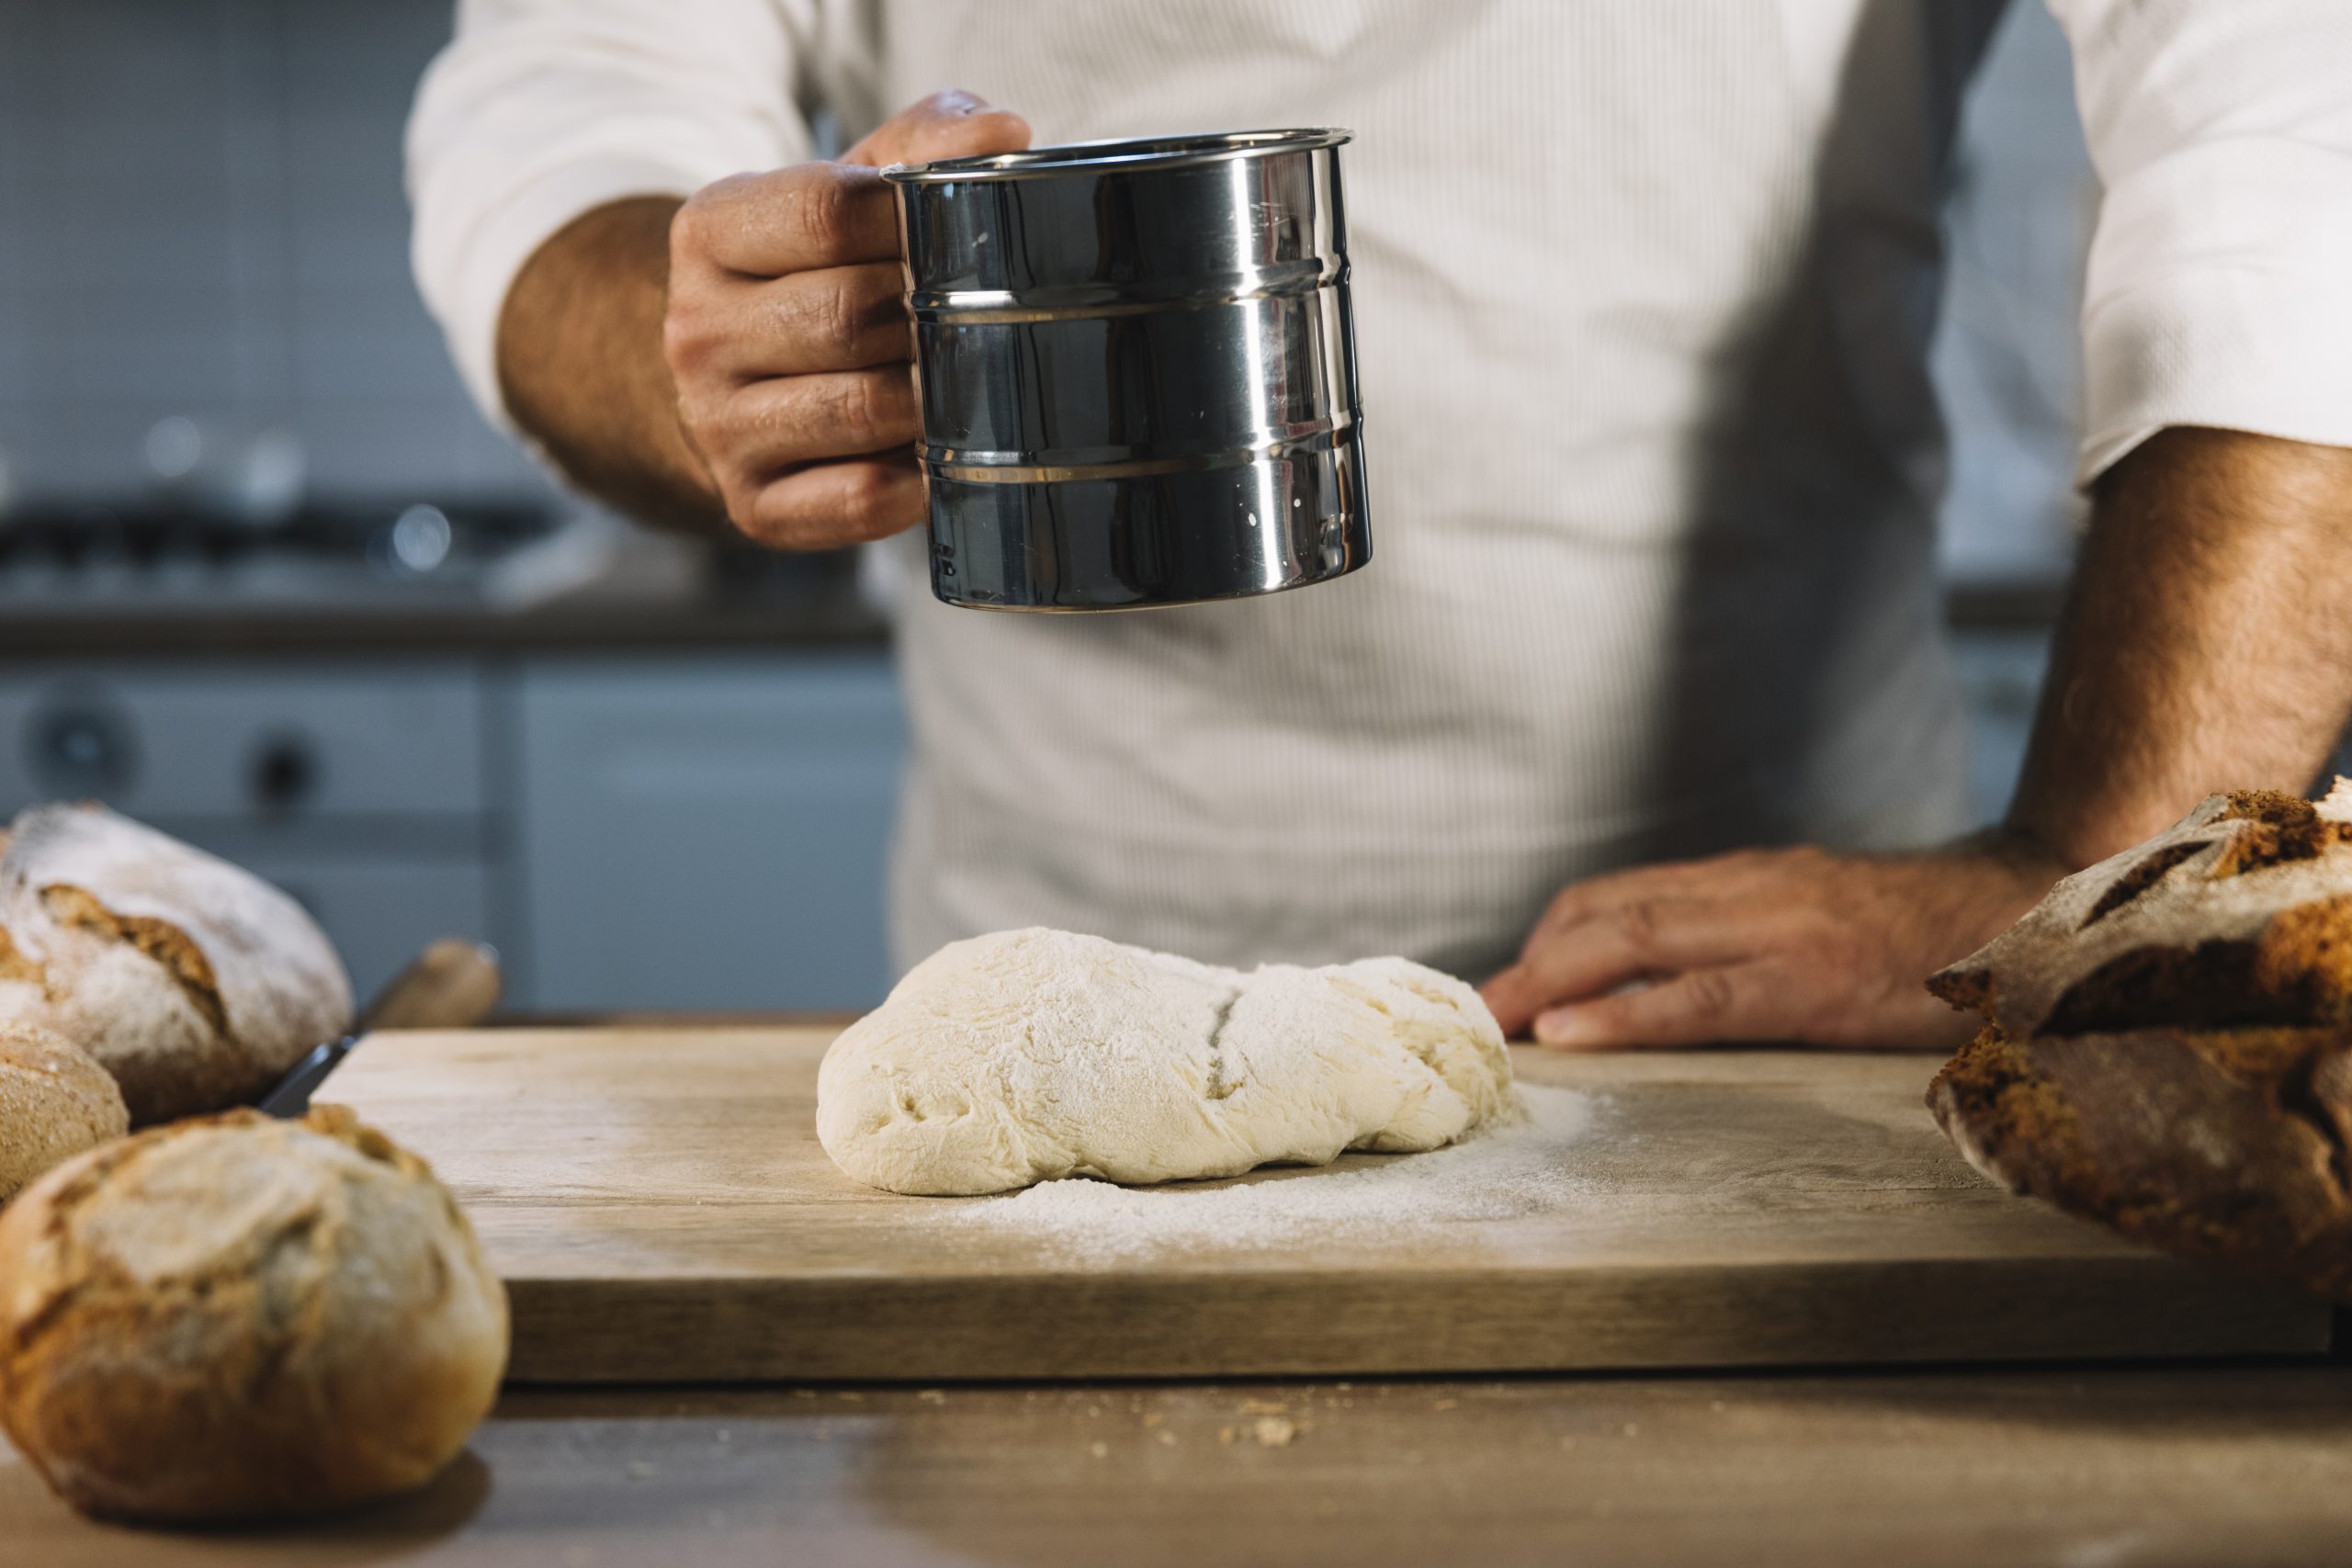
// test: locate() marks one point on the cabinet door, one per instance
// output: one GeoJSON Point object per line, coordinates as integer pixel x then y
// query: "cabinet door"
{"type": "Point", "coordinates": [708, 833]}
{"type": "Point", "coordinates": [2000, 679]}
{"type": "Point", "coordinates": [236, 740]}
{"type": "Point", "coordinates": [380, 908]}
{"type": "Point", "coordinates": [358, 786]}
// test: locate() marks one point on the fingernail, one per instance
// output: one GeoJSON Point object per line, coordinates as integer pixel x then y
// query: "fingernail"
{"type": "Point", "coordinates": [1562, 1026]}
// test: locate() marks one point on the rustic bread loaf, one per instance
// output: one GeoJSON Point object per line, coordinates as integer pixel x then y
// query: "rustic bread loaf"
{"type": "Point", "coordinates": [54, 1102]}
{"type": "Point", "coordinates": [2167, 1045]}
{"type": "Point", "coordinates": [236, 1318]}
{"type": "Point", "coordinates": [2240, 914]}
{"type": "Point", "coordinates": [2228, 1146]}
{"type": "Point", "coordinates": [194, 983]}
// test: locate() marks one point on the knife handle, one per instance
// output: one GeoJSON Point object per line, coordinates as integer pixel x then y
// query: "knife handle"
{"type": "Point", "coordinates": [453, 984]}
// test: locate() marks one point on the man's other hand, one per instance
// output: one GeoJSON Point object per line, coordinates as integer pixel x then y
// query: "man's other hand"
{"type": "Point", "coordinates": [1791, 945]}
{"type": "Point", "coordinates": [788, 338]}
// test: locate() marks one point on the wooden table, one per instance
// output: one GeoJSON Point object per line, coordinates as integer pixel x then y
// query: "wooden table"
{"type": "Point", "coordinates": [2202, 1463]}
{"type": "Point", "coordinates": [2205, 1465]}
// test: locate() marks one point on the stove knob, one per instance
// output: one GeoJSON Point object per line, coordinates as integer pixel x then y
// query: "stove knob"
{"type": "Point", "coordinates": [285, 773]}
{"type": "Point", "coordinates": [80, 751]}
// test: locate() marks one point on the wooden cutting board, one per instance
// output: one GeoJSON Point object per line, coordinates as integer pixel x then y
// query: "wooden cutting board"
{"type": "Point", "coordinates": [660, 1210]}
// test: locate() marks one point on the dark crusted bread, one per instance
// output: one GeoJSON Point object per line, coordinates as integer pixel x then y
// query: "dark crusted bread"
{"type": "Point", "coordinates": [2240, 915]}
{"type": "Point", "coordinates": [2228, 1146]}
{"type": "Point", "coordinates": [196, 984]}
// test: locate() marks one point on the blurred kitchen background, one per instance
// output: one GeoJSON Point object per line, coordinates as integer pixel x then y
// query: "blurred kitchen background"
{"type": "Point", "coordinates": [268, 581]}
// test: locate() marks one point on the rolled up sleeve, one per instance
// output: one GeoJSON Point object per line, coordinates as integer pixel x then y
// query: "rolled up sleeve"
{"type": "Point", "coordinates": [541, 110]}
{"type": "Point", "coordinates": [2220, 285]}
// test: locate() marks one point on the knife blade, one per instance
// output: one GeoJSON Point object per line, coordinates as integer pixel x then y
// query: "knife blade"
{"type": "Point", "coordinates": [453, 984]}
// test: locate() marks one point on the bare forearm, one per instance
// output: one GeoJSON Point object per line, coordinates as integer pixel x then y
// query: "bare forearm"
{"type": "Point", "coordinates": [580, 363]}
{"type": "Point", "coordinates": [2207, 643]}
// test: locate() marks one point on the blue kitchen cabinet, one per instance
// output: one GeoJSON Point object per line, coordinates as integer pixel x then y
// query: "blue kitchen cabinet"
{"type": "Point", "coordinates": [704, 832]}
{"type": "Point", "coordinates": [356, 786]}
{"type": "Point", "coordinates": [2000, 671]}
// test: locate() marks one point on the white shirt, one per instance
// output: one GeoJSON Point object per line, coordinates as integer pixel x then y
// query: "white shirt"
{"type": "Point", "coordinates": [1642, 290]}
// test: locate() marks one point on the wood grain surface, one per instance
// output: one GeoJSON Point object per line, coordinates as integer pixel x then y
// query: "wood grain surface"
{"type": "Point", "coordinates": [2174, 1467]}
{"type": "Point", "coordinates": [660, 1207]}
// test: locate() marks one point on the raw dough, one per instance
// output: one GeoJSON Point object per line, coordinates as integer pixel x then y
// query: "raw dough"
{"type": "Point", "coordinates": [1025, 1056]}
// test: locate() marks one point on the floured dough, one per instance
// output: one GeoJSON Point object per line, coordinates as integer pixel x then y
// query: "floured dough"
{"type": "Point", "coordinates": [1025, 1056]}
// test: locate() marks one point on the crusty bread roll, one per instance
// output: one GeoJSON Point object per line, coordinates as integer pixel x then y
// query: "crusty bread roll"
{"type": "Point", "coordinates": [54, 1102]}
{"type": "Point", "coordinates": [237, 1317]}
{"type": "Point", "coordinates": [196, 985]}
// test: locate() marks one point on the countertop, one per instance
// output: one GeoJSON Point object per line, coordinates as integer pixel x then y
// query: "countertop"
{"type": "Point", "coordinates": [699, 622]}
{"type": "Point", "coordinates": [2207, 1465]}
{"type": "Point", "coordinates": [2181, 1462]}
{"type": "Point", "coordinates": [684, 623]}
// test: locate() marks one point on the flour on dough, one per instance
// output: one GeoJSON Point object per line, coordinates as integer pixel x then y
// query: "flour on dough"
{"type": "Point", "coordinates": [1025, 1056]}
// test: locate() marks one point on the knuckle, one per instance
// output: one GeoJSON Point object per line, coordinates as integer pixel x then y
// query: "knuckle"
{"type": "Point", "coordinates": [1566, 904]}
{"type": "Point", "coordinates": [858, 411]}
{"type": "Point", "coordinates": [1709, 994]}
{"type": "Point", "coordinates": [700, 417]}
{"type": "Point", "coordinates": [742, 500]}
{"type": "Point", "coordinates": [707, 432]}
{"type": "Point", "coordinates": [822, 205]}
{"type": "Point", "coordinates": [696, 226]}
{"type": "Point", "coordinates": [832, 323]}
{"type": "Point", "coordinates": [866, 493]}
{"type": "Point", "coordinates": [685, 344]}
{"type": "Point", "coordinates": [689, 226]}
{"type": "Point", "coordinates": [874, 504]}
{"type": "Point", "coordinates": [1640, 922]}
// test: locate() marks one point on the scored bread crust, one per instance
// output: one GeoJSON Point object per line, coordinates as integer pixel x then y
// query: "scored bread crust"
{"type": "Point", "coordinates": [236, 1318]}
{"type": "Point", "coordinates": [195, 982]}
{"type": "Point", "coordinates": [2227, 1146]}
{"type": "Point", "coordinates": [2238, 915]}
{"type": "Point", "coordinates": [55, 1101]}
{"type": "Point", "coordinates": [2167, 1044]}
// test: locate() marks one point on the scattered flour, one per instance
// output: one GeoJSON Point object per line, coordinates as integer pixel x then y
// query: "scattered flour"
{"type": "Point", "coordinates": [1497, 1174]}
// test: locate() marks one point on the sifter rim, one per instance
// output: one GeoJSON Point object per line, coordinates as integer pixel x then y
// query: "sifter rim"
{"type": "Point", "coordinates": [1115, 156]}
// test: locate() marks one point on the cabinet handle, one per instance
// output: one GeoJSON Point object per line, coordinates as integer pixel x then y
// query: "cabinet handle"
{"type": "Point", "coordinates": [83, 750]}
{"type": "Point", "coordinates": [285, 773]}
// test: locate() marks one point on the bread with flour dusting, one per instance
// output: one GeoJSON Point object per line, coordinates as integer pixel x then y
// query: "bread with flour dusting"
{"type": "Point", "coordinates": [55, 1101]}
{"type": "Point", "coordinates": [196, 984]}
{"type": "Point", "coordinates": [236, 1318]}
{"type": "Point", "coordinates": [1030, 1054]}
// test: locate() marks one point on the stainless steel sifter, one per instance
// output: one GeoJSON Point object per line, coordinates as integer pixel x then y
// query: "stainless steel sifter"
{"type": "Point", "coordinates": [1138, 371]}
